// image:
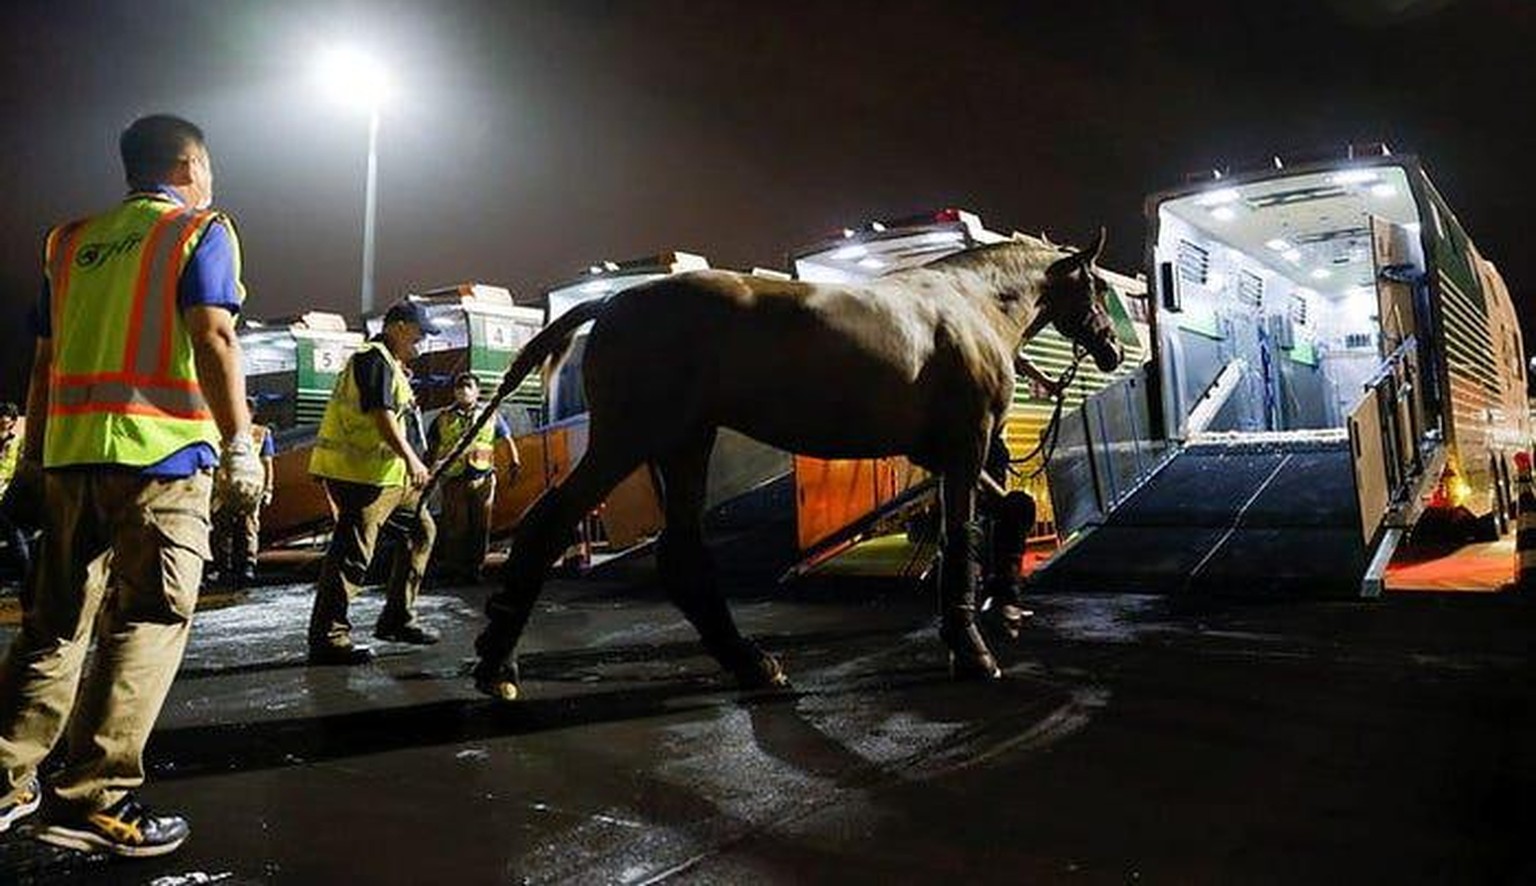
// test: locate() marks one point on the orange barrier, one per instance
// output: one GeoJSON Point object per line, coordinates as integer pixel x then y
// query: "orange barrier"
{"type": "Point", "coordinates": [832, 493]}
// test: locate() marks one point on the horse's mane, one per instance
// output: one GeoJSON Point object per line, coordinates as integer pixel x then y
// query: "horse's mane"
{"type": "Point", "coordinates": [1027, 253]}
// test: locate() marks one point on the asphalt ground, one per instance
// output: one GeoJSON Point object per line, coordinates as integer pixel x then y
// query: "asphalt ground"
{"type": "Point", "coordinates": [1134, 739]}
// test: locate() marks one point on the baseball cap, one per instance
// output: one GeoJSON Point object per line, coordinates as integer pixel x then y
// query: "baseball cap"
{"type": "Point", "coordinates": [408, 311]}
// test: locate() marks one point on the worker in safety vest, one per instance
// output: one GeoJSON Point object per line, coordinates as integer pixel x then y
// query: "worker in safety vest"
{"type": "Point", "coordinates": [370, 472]}
{"type": "Point", "coordinates": [237, 531]}
{"type": "Point", "coordinates": [135, 415]}
{"type": "Point", "coordinates": [469, 482]}
{"type": "Point", "coordinates": [10, 443]}
{"type": "Point", "coordinates": [10, 454]}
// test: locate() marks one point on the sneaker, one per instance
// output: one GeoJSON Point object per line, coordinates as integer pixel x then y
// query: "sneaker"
{"type": "Point", "coordinates": [24, 805]}
{"type": "Point", "coordinates": [340, 655]}
{"type": "Point", "coordinates": [125, 828]}
{"type": "Point", "coordinates": [497, 681]}
{"type": "Point", "coordinates": [412, 634]}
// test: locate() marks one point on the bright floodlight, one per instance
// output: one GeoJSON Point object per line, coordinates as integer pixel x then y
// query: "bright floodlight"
{"type": "Point", "coordinates": [354, 78]}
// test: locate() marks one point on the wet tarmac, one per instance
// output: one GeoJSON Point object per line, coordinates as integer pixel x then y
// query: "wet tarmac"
{"type": "Point", "coordinates": [1134, 740]}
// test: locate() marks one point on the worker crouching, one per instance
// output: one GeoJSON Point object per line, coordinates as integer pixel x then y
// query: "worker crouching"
{"type": "Point", "coordinates": [370, 472]}
{"type": "Point", "coordinates": [469, 482]}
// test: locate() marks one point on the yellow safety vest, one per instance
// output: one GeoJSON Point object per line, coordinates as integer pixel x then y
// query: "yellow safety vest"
{"type": "Point", "coordinates": [123, 386]}
{"type": "Point", "coordinates": [10, 454]}
{"type": "Point", "coordinates": [481, 453]}
{"type": "Point", "coordinates": [349, 446]}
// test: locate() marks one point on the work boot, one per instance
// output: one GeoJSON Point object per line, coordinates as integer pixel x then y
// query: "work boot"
{"type": "Point", "coordinates": [22, 806]}
{"type": "Point", "coordinates": [125, 828]}
{"type": "Point", "coordinates": [349, 654]}
{"type": "Point", "coordinates": [753, 668]}
{"type": "Point", "coordinates": [412, 634]}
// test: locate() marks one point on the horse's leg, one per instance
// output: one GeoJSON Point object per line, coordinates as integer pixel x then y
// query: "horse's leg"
{"type": "Point", "coordinates": [537, 541]}
{"type": "Point", "coordinates": [969, 656]}
{"type": "Point", "coordinates": [688, 571]}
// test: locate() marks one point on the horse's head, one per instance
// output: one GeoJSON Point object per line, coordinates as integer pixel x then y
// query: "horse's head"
{"type": "Point", "coordinates": [1073, 297]}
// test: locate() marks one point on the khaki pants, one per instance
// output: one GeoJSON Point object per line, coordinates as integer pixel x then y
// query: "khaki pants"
{"type": "Point", "coordinates": [361, 512]}
{"type": "Point", "coordinates": [121, 560]}
{"type": "Point", "coordinates": [236, 538]}
{"type": "Point", "coordinates": [466, 531]}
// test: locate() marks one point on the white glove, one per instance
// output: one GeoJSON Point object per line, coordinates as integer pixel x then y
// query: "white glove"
{"type": "Point", "coordinates": [240, 479]}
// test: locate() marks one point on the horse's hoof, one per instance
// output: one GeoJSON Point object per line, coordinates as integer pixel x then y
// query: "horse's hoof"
{"type": "Point", "coordinates": [974, 668]}
{"type": "Point", "coordinates": [969, 657]}
{"type": "Point", "coordinates": [496, 681]}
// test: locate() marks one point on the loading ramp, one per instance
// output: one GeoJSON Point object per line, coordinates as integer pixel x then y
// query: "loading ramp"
{"type": "Point", "coordinates": [1303, 513]}
{"type": "Point", "coordinates": [1245, 518]}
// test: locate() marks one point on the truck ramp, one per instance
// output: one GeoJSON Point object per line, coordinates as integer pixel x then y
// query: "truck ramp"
{"type": "Point", "coordinates": [1263, 518]}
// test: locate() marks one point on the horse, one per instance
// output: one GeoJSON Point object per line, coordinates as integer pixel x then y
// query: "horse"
{"type": "Point", "coordinates": [917, 363]}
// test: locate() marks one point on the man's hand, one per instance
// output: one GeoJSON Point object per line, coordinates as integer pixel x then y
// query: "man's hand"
{"type": "Point", "coordinates": [241, 479]}
{"type": "Point", "coordinates": [23, 501]}
{"type": "Point", "coordinates": [417, 470]}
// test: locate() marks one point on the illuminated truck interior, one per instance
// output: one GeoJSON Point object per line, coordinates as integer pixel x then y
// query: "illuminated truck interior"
{"type": "Point", "coordinates": [1269, 309]}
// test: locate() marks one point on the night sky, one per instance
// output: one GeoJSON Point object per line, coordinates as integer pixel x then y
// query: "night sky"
{"type": "Point", "coordinates": [529, 140]}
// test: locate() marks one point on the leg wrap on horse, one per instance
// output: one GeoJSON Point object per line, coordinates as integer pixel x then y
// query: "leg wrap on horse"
{"type": "Point", "coordinates": [688, 573]}
{"type": "Point", "coordinates": [969, 656]}
{"type": "Point", "coordinates": [522, 577]}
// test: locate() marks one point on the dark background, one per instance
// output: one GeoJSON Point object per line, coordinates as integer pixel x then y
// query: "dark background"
{"type": "Point", "coordinates": [530, 139]}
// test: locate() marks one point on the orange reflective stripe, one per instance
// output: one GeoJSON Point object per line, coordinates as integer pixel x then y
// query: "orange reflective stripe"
{"type": "Point", "coordinates": [148, 258]}
{"type": "Point", "coordinates": [175, 263]}
{"type": "Point", "coordinates": [90, 378]}
{"type": "Point", "coordinates": [63, 260]}
{"type": "Point", "coordinates": [147, 409]}
{"type": "Point", "coordinates": [113, 392]}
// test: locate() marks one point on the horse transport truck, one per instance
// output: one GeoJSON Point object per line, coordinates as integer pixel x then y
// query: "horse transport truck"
{"type": "Point", "coordinates": [1335, 365]}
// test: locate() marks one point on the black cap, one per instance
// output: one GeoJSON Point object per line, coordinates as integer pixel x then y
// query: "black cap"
{"type": "Point", "coordinates": [464, 378]}
{"type": "Point", "coordinates": [408, 311]}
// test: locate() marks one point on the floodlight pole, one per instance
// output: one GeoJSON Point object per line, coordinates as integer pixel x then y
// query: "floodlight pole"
{"type": "Point", "coordinates": [370, 209]}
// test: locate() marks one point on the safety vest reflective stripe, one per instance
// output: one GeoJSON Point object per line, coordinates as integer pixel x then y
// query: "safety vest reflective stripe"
{"type": "Point", "coordinates": [62, 243]}
{"type": "Point", "coordinates": [148, 349]}
{"type": "Point", "coordinates": [144, 397]}
{"type": "Point", "coordinates": [481, 452]}
{"type": "Point", "coordinates": [349, 447]}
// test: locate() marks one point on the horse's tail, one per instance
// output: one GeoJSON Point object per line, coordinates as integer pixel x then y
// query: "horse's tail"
{"type": "Point", "coordinates": [551, 343]}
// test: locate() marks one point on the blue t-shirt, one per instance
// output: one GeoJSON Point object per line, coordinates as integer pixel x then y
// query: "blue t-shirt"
{"type": "Point", "coordinates": [208, 279]}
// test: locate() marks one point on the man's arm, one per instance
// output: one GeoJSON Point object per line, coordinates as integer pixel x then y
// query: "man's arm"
{"type": "Point", "coordinates": [37, 400]}
{"type": "Point", "coordinates": [395, 437]}
{"type": "Point", "coordinates": [1022, 366]}
{"type": "Point", "coordinates": [216, 350]}
{"type": "Point", "coordinates": [514, 458]}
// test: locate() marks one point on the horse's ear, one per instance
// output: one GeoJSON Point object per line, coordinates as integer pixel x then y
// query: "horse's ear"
{"type": "Point", "coordinates": [1091, 254]}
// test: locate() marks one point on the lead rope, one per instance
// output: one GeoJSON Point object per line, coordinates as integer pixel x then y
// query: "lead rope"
{"type": "Point", "coordinates": [1046, 447]}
